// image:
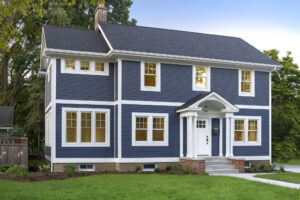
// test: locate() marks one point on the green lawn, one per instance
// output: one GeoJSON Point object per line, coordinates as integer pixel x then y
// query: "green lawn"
{"type": "Point", "coordinates": [287, 177]}
{"type": "Point", "coordinates": [290, 162]}
{"type": "Point", "coordinates": [154, 187]}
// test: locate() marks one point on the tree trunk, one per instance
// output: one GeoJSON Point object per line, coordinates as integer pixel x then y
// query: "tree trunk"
{"type": "Point", "coordinates": [4, 76]}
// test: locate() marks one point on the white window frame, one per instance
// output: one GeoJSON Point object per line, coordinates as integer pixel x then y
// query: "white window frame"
{"type": "Point", "coordinates": [48, 129]}
{"type": "Point", "coordinates": [252, 84]}
{"type": "Point", "coordinates": [93, 143]}
{"type": "Point", "coordinates": [149, 141]}
{"type": "Point", "coordinates": [246, 142]}
{"type": "Point", "coordinates": [86, 72]}
{"type": "Point", "coordinates": [157, 87]}
{"type": "Point", "coordinates": [86, 170]}
{"type": "Point", "coordinates": [207, 88]}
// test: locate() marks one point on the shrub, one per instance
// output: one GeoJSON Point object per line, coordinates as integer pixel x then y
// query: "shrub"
{"type": "Point", "coordinates": [31, 177]}
{"type": "Point", "coordinates": [69, 170]}
{"type": "Point", "coordinates": [18, 131]}
{"type": "Point", "coordinates": [176, 170]}
{"type": "Point", "coordinates": [187, 171]}
{"type": "Point", "coordinates": [45, 169]}
{"type": "Point", "coordinates": [16, 170]}
{"type": "Point", "coordinates": [253, 169]}
{"type": "Point", "coordinates": [138, 168]}
{"type": "Point", "coordinates": [83, 173]}
{"type": "Point", "coordinates": [168, 168]}
{"type": "Point", "coordinates": [285, 150]}
{"type": "Point", "coordinates": [157, 170]}
{"type": "Point", "coordinates": [3, 168]}
{"type": "Point", "coordinates": [266, 168]}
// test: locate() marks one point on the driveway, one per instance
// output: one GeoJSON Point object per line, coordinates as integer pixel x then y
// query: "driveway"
{"type": "Point", "coordinates": [289, 168]}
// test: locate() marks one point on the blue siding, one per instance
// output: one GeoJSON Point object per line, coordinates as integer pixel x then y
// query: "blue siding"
{"type": "Point", "coordinates": [84, 87]}
{"type": "Point", "coordinates": [176, 84]}
{"type": "Point", "coordinates": [215, 137]}
{"type": "Point", "coordinates": [82, 152]}
{"type": "Point", "coordinates": [129, 151]}
{"type": "Point", "coordinates": [262, 150]}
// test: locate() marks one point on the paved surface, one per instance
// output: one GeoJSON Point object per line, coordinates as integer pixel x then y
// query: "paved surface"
{"type": "Point", "coordinates": [289, 168]}
{"type": "Point", "coordinates": [250, 176]}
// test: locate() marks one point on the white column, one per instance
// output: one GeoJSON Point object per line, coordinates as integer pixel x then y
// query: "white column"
{"type": "Point", "coordinates": [189, 137]}
{"type": "Point", "coordinates": [232, 137]}
{"type": "Point", "coordinates": [194, 136]}
{"type": "Point", "coordinates": [227, 136]}
{"type": "Point", "coordinates": [181, 137]}
{"type": "Point", "coordinates": [221, 138]}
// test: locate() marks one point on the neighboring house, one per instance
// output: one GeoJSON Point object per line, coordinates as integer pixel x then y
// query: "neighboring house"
{"type": "Point", "coordinates": [121, 96]}
{"type": "Point", "coordinates": [6, 119]}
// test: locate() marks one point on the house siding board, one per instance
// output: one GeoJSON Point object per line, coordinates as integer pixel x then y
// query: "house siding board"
{"type": "Point", "coordinates": [48, 89]}
{"type": "Point", "coordinates": [262, 150]}
{"type": "Point", "coordinates": [215, 137]}
{"type": "Point", "coordinates": [82, 152]}
{"type": "Point", "coordinates": [48, 151]}
{"type": "Point", "coordinates": [83, 86]}
{"type": "Point", "coordinates": [129, 151]}
{"type": "Point", "coordinates": [176, 84]}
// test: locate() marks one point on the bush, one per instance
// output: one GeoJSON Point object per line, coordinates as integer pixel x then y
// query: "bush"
{"type": "Point", "coordinates": [285, 150]}
{"type": "Point", "coordinates": [18, 131]}
{"type": "Point", "coordinates": [253, 169]}
{"type": "Point", "coordinates": [266, 168]}
{"type": "Point", "coordinates": [83, 173]}
{"type": "Point", "coordinates": [45, 169]}
{"type": "Point", "coordinates": [69, 170]}
{"type": "Point", "coordinates": [168, 168]}
{"type": "Point", "coordinates": [187, 171]}
{"type": "Point", "coordinates": [281, 169]}
{"type": "Point", "coordinates": [31, 177]}
{"type": "Point", "coordinates": [3, 168]}
{"type": "Point", "coordinates": [176, 170]}
{"type": "Point", "coordinates": [156, 170]}
{"type": "Point", "coordinates": [138, 168]}
{"type": "Point", "coordinates": [16, 170]}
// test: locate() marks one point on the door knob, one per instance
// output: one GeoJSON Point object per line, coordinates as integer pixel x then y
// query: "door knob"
{"type": "Point", "coordinates": [206, 139]}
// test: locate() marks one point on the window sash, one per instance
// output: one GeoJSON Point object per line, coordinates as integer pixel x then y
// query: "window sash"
{"type": "Point", "coordinates": [248, 132]}
{"type": "Point", "coordinates": [85, 65]}
{"type": "Point", "coordinates": [201, 77]}
{"type": "Point", "coordinates": [246, 83]}
{"type": "Point", "coordinates": [150, 72]}
{"type": "Point", "coordinates": [70, 64]}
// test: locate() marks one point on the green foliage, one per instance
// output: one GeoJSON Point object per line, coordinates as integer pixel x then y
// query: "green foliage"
{"type": "Point", "coordinates": [285, 150]}
{"type": "Point", "coordinates": [69, 170]}
{"type": "Point", "coordinates": [83, 173]}
{"type": "Point", "coordinates": [45, 169]}
{"type": "Point", "coordinates": [157, 170]}
{"type": "Point", "coordinates": [3, 168]}
{"type": "Point", "coordinates": [31, 177]}
{"type": "Point", "coordinates": [176, 170]}
{"type": "Point", "coordinates": [15, 171]}
{"type": "Point", "coordinates": [266, 168]}
{"type": "Point", "coordinates": [252, 169]}
{"type": "Point", "coordinates": [138, 168]}
{"type": "Point", "coordinates": [18, 131]}
{"type": "Point", "coordinates": [281, 169]}
{"type": "Point", "coordinates": [120, 11]}
{"type": "Point", "coordinates": [169, 168]}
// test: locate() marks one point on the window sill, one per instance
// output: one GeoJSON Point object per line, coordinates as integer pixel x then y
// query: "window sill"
{"type": "Point", "coordinates": [201, 89]}
{"type": "Point", "coordinates": [148, 144]}
{"type": "Point", "coordinates": [246, 94]}
{"type": "Point", "coordinates": [85, 145]}
{"type": "Point", "coordinates": [150, 89]}
{"type": "Point", "coordinates": [246, 144]}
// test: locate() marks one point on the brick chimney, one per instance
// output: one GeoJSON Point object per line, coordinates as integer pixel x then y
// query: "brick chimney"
{"type": "Point", "coordinates": [100, 14]}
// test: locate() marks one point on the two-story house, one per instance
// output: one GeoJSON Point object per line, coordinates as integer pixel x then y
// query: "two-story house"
{"type": "Point", "coordinates": [121, 96]}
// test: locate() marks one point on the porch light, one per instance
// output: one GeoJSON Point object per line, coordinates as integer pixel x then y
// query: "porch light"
{"type": "Point", "coordinates": [205, 108]}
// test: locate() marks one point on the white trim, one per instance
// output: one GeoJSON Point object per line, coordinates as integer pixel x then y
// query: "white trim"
{"type": "Point", "coordinates": [53, 107]}
{"type": "Point", "coordinates": [149, 141]}
{"type": "Point", "coordinates": [86, 170]}
{"type": "Point", "coordinates": [221, 137]}
{"type": "Point", "coordinates": [93, 143]}
{"type": "Point", "coordinates": [270, 116]}
{"type": "Point", "coordinates": [48, 107]}
{"type": "Point", "coordinates": [114, 160]}
{"type": "Point", "coordinates": [51, 51]}
{"type": "Point", "coordinates": [105, 38]}
{"type": "Point", "coordinates": [83, 102]}
{"type": "Point", "coordinates": [77, 69]}
{"type": "Point", "coordinates": [251, 157]}
{"type": "Point", "coordinates": [253, 107]}
{"type": "Point", "coordinates": [208, 80]}
{"type": "Point", "coordinates": [246, 119]}
{"type": "Point", "coordinates": [252, 84]}
{"type": "Point", "coordinates": [181, 136]}
{"type": "Point", "coordinates": [153, 103]}
{"type": "Point", "coordinates": [149, 160]}
{"type": "Point", "coordinates": [48, 158]}
{"type": "Point", "coordinates": [84, 160]}
{"type": "Point", "coordinates": [150, 169]}
{"type": "Point", "coordinates": [157, 87]}
{"type": "Point", "coordinates": [120, 108]}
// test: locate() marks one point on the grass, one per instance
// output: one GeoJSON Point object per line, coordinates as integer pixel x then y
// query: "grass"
{"type": "Point", "coordinates": [290, 162]}
{"type": "Point", "coordinates": [143, 186]}
{"type": "Point", "coordinates": [287, 177]}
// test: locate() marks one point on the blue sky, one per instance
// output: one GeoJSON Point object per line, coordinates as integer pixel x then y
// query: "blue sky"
{"type": "Point", "coordinates": [264, 24]}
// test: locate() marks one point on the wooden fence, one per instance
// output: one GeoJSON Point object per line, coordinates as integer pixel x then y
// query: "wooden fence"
{"type": "Point", "coordinates": [13, 150]}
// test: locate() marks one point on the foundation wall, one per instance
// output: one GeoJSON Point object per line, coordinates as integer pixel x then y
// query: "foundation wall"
{"type": "Point", "coordinates": [197, 166]}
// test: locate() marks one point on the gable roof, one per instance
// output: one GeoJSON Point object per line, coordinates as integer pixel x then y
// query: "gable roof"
{"type": "Point", "coordinates": [74, 39]}
{"type": "Point", "coordinates": [182, 43]}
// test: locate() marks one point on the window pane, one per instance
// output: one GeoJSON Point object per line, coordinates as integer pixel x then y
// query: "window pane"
{"type": "Point", "coordinates": [70, 64]}
{"type": "Point", "coordinates": [141, 128]}
{"type": "Point", "coordinates": [246, 76]}
{"type": "Point", "coordinates": [158, 129]}
{"type": "Point", "coordinates": [100, 127]}
{"type": "Point", "coordinates": [84, 65]}
{"type": "Point", "coordinates": [201, 82]}
{"type": "Point", "coordinates": [158, 135]}
{"type": "Point", "coordinates": [201, 76]}
{"type": "Point", "coordinates": [252, 133]}
{"type": "Point", "coordinates": [86, 130]}
{"type": "Point", "coordinates": [71, 131]}
{"type": "Point", "coordinates": [141, 135]}
{"type": "Point", "coordinates": [99, 66]}
{"type": "Point", "coordinates": [246, 86]}
{"type": "Point", "coordinates": [252, 136]}
{"type": "Point", "coordinates": [239, 125]}
{"type": "Point", "coordinates": [150, 75]}
{"type": "Point", "coordinates": [252, 125]}
{"type": "Point", "coordinates": [239, 136]}
{"type": "Point", "coordinates": [150, 80]}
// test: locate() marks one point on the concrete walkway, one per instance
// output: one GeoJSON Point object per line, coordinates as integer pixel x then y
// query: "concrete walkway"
{"type": "Point", "coordinates": [289, 168]}
{"type": "Point", "coordinates": [251, 177]}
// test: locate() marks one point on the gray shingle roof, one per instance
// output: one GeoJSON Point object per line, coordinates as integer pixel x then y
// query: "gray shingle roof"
{"type": "Point", "coordinates": [6, 116]}
{"type": "Point", "coordinates": [192, 101]}
{"type": "Point", "coordinates": [182, 43]}
{"type": "Point", "coordinates": [74, 39]}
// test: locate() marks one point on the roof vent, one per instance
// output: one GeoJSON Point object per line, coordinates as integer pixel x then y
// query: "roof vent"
{"type": "Point", "coordinates": [100, 14]}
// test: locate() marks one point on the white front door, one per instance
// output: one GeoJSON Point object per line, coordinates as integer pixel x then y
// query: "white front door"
{"type": "Point", "coordinates": [203, 139]}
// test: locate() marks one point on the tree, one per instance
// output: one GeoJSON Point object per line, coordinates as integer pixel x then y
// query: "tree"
{"type": "Point", "coordinates": [120, 11]}
{"type": "Point", "coordinates": [285, 106]}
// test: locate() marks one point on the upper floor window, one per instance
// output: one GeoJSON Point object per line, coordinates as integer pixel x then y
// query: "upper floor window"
{"type": "Point", "coordinates": [149, 129]}
{"type": "Point", "coordinates": [201, 78]}
{"type": "Point", "coordinates": [246, 83]}
{"type": "Point", "coordinates": [150, 76]}
{"type": "Point", "coordinates": [85, 127]}
{"type": "Point", "coordinates": [247, 130]}
{"type": "Point", "coordinates": [88, 67]}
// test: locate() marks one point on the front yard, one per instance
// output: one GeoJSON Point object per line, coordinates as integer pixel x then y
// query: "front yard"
{"type": "Point", "coordinates": [287, 177]}
{"type": "Point", "coordinates": [145, 186]}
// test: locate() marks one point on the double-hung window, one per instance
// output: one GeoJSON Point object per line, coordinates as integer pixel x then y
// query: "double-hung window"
{"type": "Point", "coordinates": [85, 127]}
{"type": "Point", "coordinates": [150, 129]}
{"type": "Point", "coordinates": [150, 76]}
{"type": "Point", "coordinates": [86, 67]}
{"type": "Point", "coordinates": [247, 130]}
{"type": "Point", "coordinates": [246, 83]}
{"type": "Point", "coordinates": [201, 78]}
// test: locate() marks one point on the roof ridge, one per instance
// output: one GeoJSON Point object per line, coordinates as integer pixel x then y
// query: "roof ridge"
{"type": "Point", "coordinates": [193, 32]}
{"type": "Point", "coordinates": [85, 29]}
